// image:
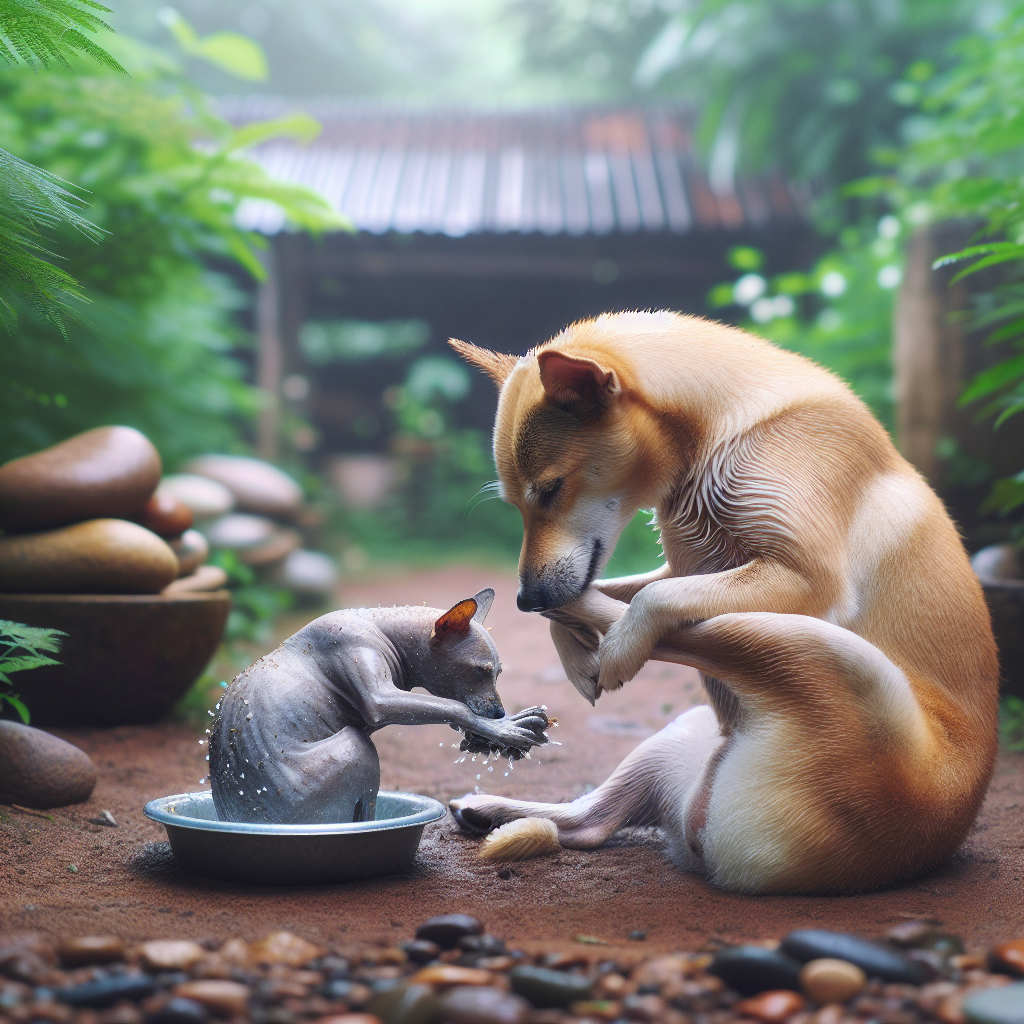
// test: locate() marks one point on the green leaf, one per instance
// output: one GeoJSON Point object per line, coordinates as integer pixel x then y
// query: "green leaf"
{"type": "Point", "coordinates": [15, 701]}
{"type": "Point", "coordinates": [35, 638]}
{"type": "Point", "coordinates": [23, 662]}
{"type": "Point", "coordinates": [236, 54]}
{"type": "Point", "coordinates": [993, 379]}
{"type": "Point", "coordinates": [300, 126]}
{"type": "Point", "coordinates": [41, 32]}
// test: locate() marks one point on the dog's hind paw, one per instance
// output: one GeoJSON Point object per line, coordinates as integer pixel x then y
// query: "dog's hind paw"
{"type": "Point", "coordinates": [468, 819]}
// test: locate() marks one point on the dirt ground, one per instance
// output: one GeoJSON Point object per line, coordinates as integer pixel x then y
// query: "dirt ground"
{"type": "Point", "coordinates": [63, 876]}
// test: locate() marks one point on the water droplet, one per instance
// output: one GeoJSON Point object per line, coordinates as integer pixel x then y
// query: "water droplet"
{"type": "Point", "coordinates": [201, 742]}
{"type": "Point", "coordinates": [241, 775]}
{"type": "Point", "coordinates": [491, 769]}
{"type": "Point", "coordinates": [506, 775]}
{"type": "Point", "coordinates": [210, 713]}
{"type": "Point", "coordinates": [248, 717]}
{"type": "Point", "coordinates": [207, 757]}
{"type": "Point", "coordinates": [478, 778]}
{"type": "Point", "coordinates": [440, 744]}
{"type": "Point", "coordinates": [202, 780]}
{"type": "Point", "coordinates": [240, 793]}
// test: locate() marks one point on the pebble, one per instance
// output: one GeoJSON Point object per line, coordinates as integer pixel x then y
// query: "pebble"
{"type": "Point", "coordinates": [40, 770]}
{"type": "Point", "coordinates": [875, 960]}
{"type": "Point", "coordinates": [284, 948]}
{"type": "Point", "coordinates": [101, 556]}
{"type": "Point", "coordinates": [546, 988]}
{"type": "Point", "coordinates": [1008, 958]}
{"type": "Point", "coordinates": [422, 951]}
{"type": "Point", "coordinates": [912, 933]}
{"type": "Point", "coordinates": [171, 954]}
{"type": "Point", "coordinates": [178, 1010]}
{"type": "Point", "coordinates": [192, 550]}
{"type": "Point", "coordinates": [832, 981]}
{"type": "Point", "coordinates": [308, 573]}
{"type": "Point", "coordinates": [238, 531]}
{"type": "Point", "coordinates": [451, 974]}
{"type": "Point", "coordinates": [204, 498]}
{"type": "Point", "coordinates": [165, 515]}
{"type": "Point", "coordinates": [771, 1007]}
{"type": "Point", "coordinates": [90, 949]}
{"type": "Point", "coordinates": [228, 998]}
{"type": "Point", "coordinates": [104, 992]}
{"type": "Point", "coordinates": [406, 1004]}
{"type": "Point", "coordinates": [106, 472]}
{"type": "Point", "coordinates": [257, 486]}
{"type": "Point", "coordinates": [205, 578]}
{"type": "Point", "coordinates": [482, 1006]}
{"type": "Point", "coordinates": [273, 552]}
{"type": "Point", "coordinates": [1003, 1005]}
{"type": "Point", "coordinates": [753, 969]}
{"type": "Point", "coordinates": [447, 929]}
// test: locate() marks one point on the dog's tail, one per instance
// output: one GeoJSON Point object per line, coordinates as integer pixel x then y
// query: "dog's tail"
{"type": "Point", "coordinates": [520, 840]}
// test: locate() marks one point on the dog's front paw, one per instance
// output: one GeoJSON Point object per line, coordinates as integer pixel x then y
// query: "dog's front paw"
{"type": "Point", "coordinates": [476, 813]}
{"type": "Point", "coordinates": [625, 649]}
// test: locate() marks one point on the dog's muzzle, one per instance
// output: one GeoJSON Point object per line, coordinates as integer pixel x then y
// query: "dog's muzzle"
{"type": "Point", "coordinates": [558, 585]}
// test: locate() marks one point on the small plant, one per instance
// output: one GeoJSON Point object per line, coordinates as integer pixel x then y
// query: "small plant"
{"type": "Point", "coordinates": [20, 650]}
{"type": "Point", "coordinates": [1011, 723]}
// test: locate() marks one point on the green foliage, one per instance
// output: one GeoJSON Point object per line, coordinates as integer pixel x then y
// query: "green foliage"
{"type": "Point", "coordinates": [41, 32]}
{"type": "Point", "coordinates": [229, 51]}
{"type": "Point", "coordinates": [21, 649]}
{"type": "Point", "coordinates": [155, 347]}
{"type": "Point", "coordinates": [254, 605]}
{"type": "Point", "coordinates": [1011, 723]}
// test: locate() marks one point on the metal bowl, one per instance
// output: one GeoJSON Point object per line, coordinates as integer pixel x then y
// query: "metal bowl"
{"type": "Point", "coordinates": [293, 854]}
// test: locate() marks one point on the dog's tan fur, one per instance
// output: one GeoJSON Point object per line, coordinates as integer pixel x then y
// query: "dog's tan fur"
{"type": "Point", "coordinates": [810, 574]}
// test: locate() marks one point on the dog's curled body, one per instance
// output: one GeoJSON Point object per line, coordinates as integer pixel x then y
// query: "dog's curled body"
{"type": "Point", "coordinates": [810, 574]}
{"type": "Point", "coordinates": [290, 743]}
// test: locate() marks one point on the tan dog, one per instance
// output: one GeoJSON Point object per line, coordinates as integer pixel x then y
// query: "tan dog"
{"type": "Point", "coordinates": [811, 576]}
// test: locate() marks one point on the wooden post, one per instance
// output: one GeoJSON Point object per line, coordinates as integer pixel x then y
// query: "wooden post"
{"type": "Point", "coordinates": [269, 359]}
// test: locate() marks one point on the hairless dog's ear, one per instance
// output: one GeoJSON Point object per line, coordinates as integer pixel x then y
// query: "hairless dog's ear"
{"type": "Point", "coordinates": [484, 600]}
{"type": "Point", "coordinates": [454, 624]}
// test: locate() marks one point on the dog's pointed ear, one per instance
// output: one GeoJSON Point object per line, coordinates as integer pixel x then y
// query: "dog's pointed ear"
{"type": "Point", "coordinates": [484, 600]}
{"type": "Point", "coordinates": [573, 382]}
{"type": "Point", "coordinates": [454, 624]}
{"type": "Point", "coordinates": [497, 365]}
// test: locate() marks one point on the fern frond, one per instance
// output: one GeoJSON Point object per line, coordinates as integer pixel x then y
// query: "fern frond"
{"type": "Point", "coordinates": [41, 32]}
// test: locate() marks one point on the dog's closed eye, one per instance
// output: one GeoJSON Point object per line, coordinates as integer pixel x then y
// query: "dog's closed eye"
{"type": "Point", "coordinates": [548, 492]}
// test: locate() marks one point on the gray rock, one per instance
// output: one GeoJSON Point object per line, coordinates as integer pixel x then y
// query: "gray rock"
{"type": "Point", "coordinates": [308, 573]}
{"type": "Point", "coordinates": [548, 989]}
{"type": "Point", "coordinates": [40, 770]}
{"type": "Point", "coordinates": [470, 1004]}
{"type": "Point", "coordinates": [447, 929]}
{"type": "Point", "coordinates": [996, 1005]}
{"type": "Point", "coordinates": [192, 550]}
{"type": "Point", "coordinates": [257, 486]}
{"type": "Point", "coordinates": [205, 498]}
{"type": "Point", "coordinates": [238, 531]}
{"type": "Point", "coordinates": [874, 959]}
{"type": "Point", "coordinates": [104, 992]}
{"type": "Point", "coordinates": [753, 969]}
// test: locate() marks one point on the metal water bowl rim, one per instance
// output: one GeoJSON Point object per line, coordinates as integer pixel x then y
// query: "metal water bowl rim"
{"type": "Point", "coordinates": [421, 811]}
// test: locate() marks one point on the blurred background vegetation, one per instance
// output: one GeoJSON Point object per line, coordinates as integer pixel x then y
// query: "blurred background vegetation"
{"type": "Point", "coordinates": [891, 115]}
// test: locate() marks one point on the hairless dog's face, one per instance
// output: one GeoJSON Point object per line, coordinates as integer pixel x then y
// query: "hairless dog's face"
{"type": "Point", "coordinates": [462, 662]}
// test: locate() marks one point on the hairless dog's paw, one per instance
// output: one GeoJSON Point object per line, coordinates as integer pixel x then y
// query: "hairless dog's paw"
{"type": "Point", "coordinates": [468, 819]}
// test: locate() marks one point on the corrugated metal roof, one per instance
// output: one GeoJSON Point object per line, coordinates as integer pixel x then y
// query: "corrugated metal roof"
{"type": "Point", "coordinates": [559, 170]}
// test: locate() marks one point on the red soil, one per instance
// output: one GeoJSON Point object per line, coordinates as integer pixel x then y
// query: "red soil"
{"type": "Point", "coordinates": [67, 877]}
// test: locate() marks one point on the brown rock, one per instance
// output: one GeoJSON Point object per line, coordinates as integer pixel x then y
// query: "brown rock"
{"type": "Point", "coordinates": [257, 486]}
{"type": "Point", "coordinates": [771, 1007]}
{"type": "Point", "coordinates": [482, 1006]}
{"type": "Point", "coordinates": [353, 1018]}
{"type": "Point", "coordinates": [205, 499]}
{"type": "Point", "coordinates": [191, 549]}
{"type": "Point", "coordinates": [226, 998]}
{"type": "Point", "coordinates": [90, 949]}
{"type": "Point", "coordinates": [165, 515]}
{"type": "Point", "coordinates": [283, 948]}
{"type": "Point", "coordinates": [40, 770]}
{"type": "Point", "coordinates": [102, 556]}
{"type": "Point", "coordinates": [170, 954]}
{"type": "Point", "coordinates": [107, 472]}
{"type": "Point", "coordinates": [831, 981]}
{"type": "Point", "coordinates": [206, 577]}
{"type": "Point", "coordinates": [451, 974]}
{"type": "Point", "coordinates": [1008, 958]}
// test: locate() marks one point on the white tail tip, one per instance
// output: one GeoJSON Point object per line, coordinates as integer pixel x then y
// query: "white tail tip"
{"type": "Point", "coordinates": [519, 840]}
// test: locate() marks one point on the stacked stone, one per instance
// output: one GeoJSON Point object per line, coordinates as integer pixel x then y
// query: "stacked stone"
{"type": "Point", "coordinates": [84, 517]}
{"type": "Point", "coordinates": [453, 972]}
{"type": "Point", "coordinates": [256, 511]}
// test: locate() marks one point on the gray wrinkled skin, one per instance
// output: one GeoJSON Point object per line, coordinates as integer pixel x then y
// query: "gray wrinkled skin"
{"type": "Point", "coordinates": [291, 742]}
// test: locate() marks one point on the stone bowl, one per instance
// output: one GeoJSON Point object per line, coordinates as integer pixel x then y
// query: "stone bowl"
{"type": "Point", "coordinates": [293, 854]}
{"type": "Point", "coordinates": [1001, 571]}
{"type": "Point", "coordinates": [127, 658]}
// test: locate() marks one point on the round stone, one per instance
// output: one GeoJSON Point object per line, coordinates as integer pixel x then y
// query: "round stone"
{"type": "Point", "coordinates": [40, 770]}
{"type": "Point", "coordinates": [226, 998]}
{"type": "Point", "coordinates": [256, 485]}
{"type": "Point", "coordinates": [107, 472]}
{"type": "Point", "coordinates": [104, 992]}
{"type": "Point", "coordinates": [179, 1011]}
{"type": "Point", "coordinates": [549, 989]}
{"type": "Point", "coordinates": [771, 1007]}
{"type": "Point", "coordinates": [447, 929]}
{"type": "Point", "coordinates": [875, 960]}
{"type": "Point", "coordinates": [309, 573]}
{"type": "Point", "coordinates": [192, 550]}
{"type": "Point", "coordinates": [1003, 1005]}
{"type": "Point", "coordinates": [753, 969]}
{"type": "Point", "coordinates": [422, 951]}
{"type": "Point", "coordinates": [165, 515]}
{"type": "Point", "coordinates": [451, 974]}
{"type": "Point", "coordinates": [1008, 958]}
{"type": "Point", "coordinates": [832, 981]}
{"type": "Point", "coordinates": [475, 1005]}
{"type": "Point", "coordinates": [101, 556]}
{"type": "Point", "coordinates": [284, 948]}
{"type": "Point", "coordinates": [204, 498]}
{"type": "Point", "coordinates": [238, 531]}
{"type": "Point", "coordinates": [90, 949]}
{"type": "Point", "coordinates": [170, 954]}
{"type": "Point", "coordinates": [206, 577]}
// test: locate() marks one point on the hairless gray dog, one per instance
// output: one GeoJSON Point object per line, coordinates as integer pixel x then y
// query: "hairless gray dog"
{"type": "Point", "coordinates": [291, 743]}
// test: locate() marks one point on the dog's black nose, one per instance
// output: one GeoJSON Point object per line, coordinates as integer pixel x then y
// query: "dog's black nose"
{"type": "Point", "coordinates": [535, 599]}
